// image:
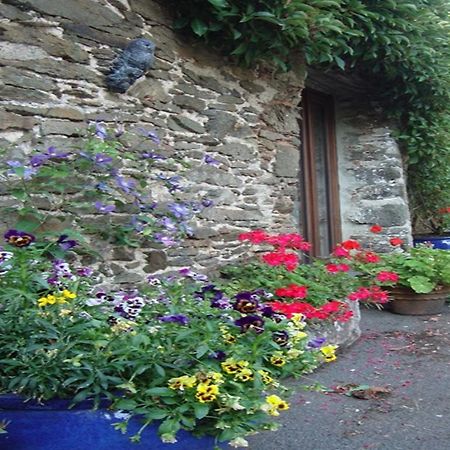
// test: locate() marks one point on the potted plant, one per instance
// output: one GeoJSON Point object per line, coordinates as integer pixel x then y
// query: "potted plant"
{"type": "Point", "coordinates": [419, 277]}
{"type": "Point", "coordinates": [439, 224]}
{"type": "Point", "coordinates": [178, 353]}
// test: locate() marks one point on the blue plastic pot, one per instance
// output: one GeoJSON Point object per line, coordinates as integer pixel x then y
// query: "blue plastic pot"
{"type": "Point", "coordinates": [441, 242]}
{"type": "Point", "coordinates": [53, 426]}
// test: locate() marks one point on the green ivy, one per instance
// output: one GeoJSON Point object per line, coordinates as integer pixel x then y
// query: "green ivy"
{"type": "Point", "coordinates": [401, 46]}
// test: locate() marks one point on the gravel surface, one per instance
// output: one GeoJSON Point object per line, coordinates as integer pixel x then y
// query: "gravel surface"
{"type": "Point", "coordinates": [401, 368]}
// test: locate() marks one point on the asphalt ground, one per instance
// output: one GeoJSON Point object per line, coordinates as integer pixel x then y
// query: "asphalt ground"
{"type": "Point", "coordinates": [400, 367]}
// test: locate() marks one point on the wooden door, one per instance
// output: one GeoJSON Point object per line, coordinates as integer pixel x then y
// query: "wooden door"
{"type": "Point", "coordinates": [320, 215]}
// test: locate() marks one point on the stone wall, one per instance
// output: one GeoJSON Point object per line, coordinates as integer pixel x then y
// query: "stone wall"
{"type": "Point", "coordinates": [53, 57]}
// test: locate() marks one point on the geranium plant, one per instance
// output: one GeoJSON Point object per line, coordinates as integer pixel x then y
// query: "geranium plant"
{"type": "Point", "coordinates": [320, 289]}
{"type": "Point", "coordinates": [422, 269]}
{"type": "Point", "coordinates": [180, 351]}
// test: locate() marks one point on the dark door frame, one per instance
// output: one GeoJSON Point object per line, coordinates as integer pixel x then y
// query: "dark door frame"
{"type": "Point", "coordinates": [308, 172]}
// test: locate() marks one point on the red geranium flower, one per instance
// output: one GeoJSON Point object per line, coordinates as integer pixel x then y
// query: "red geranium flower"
{"type": "Point", "coordinates": [334, 268]}
{"type": "Point", "coordinates": [341, 252]}
{"type": "Point", "coordinates": [350, 244]}
{"type": "Point", "coordinates": [387, 277]}
{"type": "Point", "coordinates": [376, 229]}
{"type": "Point", "coordinates": [255, 237]}
{"type": "Point", "coordinates": [395, 241]}
{"type": "Point", "coordinates": [292, 291]}
{"type": "Point", "coordinates": [369, 257]}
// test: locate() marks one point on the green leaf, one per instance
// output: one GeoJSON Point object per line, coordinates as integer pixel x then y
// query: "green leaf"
{"type": "Point", "coordinates": [218, 3]}
{"type": "Point", "coordinates": [156, 414]}
{"type": "Point", "coordinates": [200, 410]}
{"type": "Point", "coordinates": [160, 391]}
{"type": "Point", "coordinates": [421, 285]}
{"type": "Point", "coordinates": [199, 27]}
{"type": "Point", "coordinates": [126, 404]}
{"type": "Point", "coordinates": [340, 62]}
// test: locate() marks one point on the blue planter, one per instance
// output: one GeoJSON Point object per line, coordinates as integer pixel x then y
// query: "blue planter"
{"type": "Point", "coordinates": [440, 242]}
{"type": "Point", "coordinates": [54, 427]}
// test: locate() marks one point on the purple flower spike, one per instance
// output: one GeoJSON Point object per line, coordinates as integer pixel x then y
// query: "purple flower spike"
{"type": "Point", "coordinates": [165, 240]}
{"type": "Point", "coordinates": [125, 184]}
{"type": "Point", "coordinates": [103, 208]}
{"type": "Point", "coordinates": [179, 210]}
{"type": "Point", "coordinates": [39, 159]}
{"type": "Point", "coordinates": [100, 131]}
{"type": "Point", "coordinates": [175, 318]}
{"type": "Point", "coordinates": [154, 156]}
{"type": "Point", "coordinates": [154, 137]}
{"type": "Point", "coordinates": [52, 152]}
{"type": "Point", "coordinates": [206, 202]}
{"type": "Point", "coordinates": [210, 160]}
{"type": "Point", "coordinates": [66, 244]}
{"type": "Point", "coordinates": [101, 158]}
{"type": "Point", "coordinates": [19, 238]}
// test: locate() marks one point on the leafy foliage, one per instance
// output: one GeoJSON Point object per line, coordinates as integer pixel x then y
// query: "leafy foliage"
{"type": "Point", "coordinates": [117, 189]}
{"type": "Point", "coordinates": [401, 46]}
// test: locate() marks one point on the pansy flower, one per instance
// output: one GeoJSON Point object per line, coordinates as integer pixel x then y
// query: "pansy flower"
{"type": "Point", "coordinates": [65, 243]}
{"type": "Point", "coordinates": [280, 337]}
{"type": "Point", "coordinates": [19, 238]}
{"type": "Point", "coordinates": [245, 305]}
{"type": "Point", "coordinates": [246, 323]}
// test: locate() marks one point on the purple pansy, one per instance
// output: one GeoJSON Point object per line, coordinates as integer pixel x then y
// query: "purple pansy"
{"type": "Point", "coordinates": [151, 134]}
{"type": "Point", "coordinates": [65, 243]}
{"type": "Point", "coordinates": [246, 323]}
{"type": "Point", "coordinates": [186, 272]}
{"type": "Point", "coordinates": [19, 238]}
{"type": "Point", "coordinates": [168, 241]}
{"type": "Point", "coordinates": [168, 224]}
{"type": "Point", "coordinates": [52, 152]}
{"type": "Point", "coordinates": [316, 342]}
{"type": "Point", "coordinates": [38, 160]}
{"type": "Point", "coordinates": [85, 272]}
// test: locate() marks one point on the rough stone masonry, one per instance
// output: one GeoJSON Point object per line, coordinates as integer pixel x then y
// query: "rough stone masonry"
{"type": "Point", "coordinates": [53, 57]}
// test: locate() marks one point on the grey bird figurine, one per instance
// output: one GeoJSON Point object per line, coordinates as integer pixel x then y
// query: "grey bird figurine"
{"type": "Point", "coordinates": [137, 57]}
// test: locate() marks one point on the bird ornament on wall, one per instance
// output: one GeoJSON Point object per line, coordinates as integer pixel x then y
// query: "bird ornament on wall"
{"type": "Point", "coordinates": [136, 58]}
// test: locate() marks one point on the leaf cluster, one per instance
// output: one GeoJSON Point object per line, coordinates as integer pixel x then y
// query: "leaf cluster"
{"type": "Point", "coordinates": [87, 348]}
{"type": "Point", "coordinates": [400, 46]}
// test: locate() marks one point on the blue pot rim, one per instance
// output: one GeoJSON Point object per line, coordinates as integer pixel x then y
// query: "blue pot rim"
{"type": "Point", "coordinates": [17, 402]}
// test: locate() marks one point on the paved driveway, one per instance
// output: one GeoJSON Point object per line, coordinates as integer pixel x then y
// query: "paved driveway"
{"type": "Point", "coordinates": [407, 355]}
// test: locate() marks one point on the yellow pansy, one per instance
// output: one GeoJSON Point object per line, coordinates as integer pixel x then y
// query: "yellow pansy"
{"type": "Point", "coordinates": [329, 352]}
{"type": "Point", "coordinates": [180, 383]}
{"type": "Point", "coordinates": [206, 392]}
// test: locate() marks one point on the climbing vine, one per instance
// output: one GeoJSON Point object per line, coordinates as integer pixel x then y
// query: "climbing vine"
{"type": "Point", "coordinates": [401, 46]}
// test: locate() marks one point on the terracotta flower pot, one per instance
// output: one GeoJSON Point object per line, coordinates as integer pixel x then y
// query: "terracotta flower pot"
{"type": "Point", "coordinates": [406, 301]}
